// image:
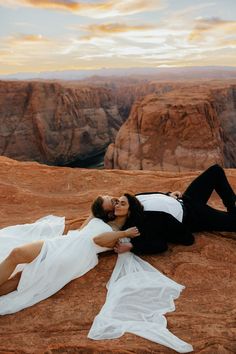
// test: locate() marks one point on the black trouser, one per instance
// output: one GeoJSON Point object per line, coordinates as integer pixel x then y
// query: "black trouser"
{"type": "Point", "coordinates": [199, 216]}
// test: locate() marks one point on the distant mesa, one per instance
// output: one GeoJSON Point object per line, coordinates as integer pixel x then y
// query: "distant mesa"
{"type": "Point", "coordinates": [156, 73]}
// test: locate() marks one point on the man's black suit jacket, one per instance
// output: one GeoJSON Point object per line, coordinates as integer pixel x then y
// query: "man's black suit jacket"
{"type": "Point", "coordinates": [157, 229]}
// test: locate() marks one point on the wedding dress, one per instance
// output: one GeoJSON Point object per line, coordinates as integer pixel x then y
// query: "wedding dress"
{"type": "Point", "coordinates": [138, 295]}
{"type": "Point", "coordinates": [62, 258]}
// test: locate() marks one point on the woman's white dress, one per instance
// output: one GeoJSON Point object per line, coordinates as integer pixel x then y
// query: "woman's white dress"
{"type": "Point", "coordinates": [138, 295]}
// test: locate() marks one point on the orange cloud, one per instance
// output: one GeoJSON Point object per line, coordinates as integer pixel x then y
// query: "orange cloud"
{"type": "Point", "coordinates": [117, 28]}
{"type": "Point", "coordinates": [205, 26]}
{"type": "Point", "coordinates": [27, 38]}
{"type": "Point", "coordinates": [97, 30]}
{"type": "Point", "coordinates": [106, 8]}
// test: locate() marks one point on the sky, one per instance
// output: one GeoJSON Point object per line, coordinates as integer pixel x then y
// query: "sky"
{"type": "Point", "coordinates": [51, 35]}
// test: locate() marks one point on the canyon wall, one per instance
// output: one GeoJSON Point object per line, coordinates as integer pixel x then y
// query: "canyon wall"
{"type": "Point", "coordinates": [189, 127]}
{"type": "Point", "coordinates": [127, 90]}
{"type": "Point", "coordinates": [170, 126]}
{"type": "Point", "coordinates": [66, 123]}
{"type": "Point", "coordinates": [55, 124]}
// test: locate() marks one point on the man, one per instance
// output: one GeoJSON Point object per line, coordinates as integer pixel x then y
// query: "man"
{"type": "Point", "coordinates": [177, 215]}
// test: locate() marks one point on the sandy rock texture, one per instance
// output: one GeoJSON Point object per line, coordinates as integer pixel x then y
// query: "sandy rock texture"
{"type": "Point", "coordinates": [205, 312]}
{"type": "Point", "coordinates": [188, 127]}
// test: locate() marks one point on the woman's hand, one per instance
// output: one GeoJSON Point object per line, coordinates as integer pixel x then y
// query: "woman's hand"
{"type": "Point", "coordinates": [132, 232]}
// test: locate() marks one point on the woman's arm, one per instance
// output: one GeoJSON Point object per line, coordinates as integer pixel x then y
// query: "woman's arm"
{"type": "Point", "coordinates": [90, 217]}
{"type": "Point", "coordinates": [75, 224]}
{"type": "Point", "coordinates": [109, 239]}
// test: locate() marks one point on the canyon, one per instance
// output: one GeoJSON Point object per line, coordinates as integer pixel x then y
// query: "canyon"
{"type": "Point", "coordinates": [138, 122]}
{"type": "Point", "coordinates": [55, 124]}
{"type": "Point", "coordinates": [205, 310]}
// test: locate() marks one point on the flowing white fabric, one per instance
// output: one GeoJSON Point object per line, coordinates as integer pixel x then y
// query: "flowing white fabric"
{"type": "Point", "coordinates": [61, 259]}
{"type": "Point", "coordinates": [138, 295]}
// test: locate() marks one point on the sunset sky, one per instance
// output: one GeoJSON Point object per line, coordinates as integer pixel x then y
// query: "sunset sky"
{"type": "Point", "coordinates": [48, 35]}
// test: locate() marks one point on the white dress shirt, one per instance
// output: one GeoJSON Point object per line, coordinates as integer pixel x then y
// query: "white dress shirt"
{"type": "Point", "coordinates": [162, 202]}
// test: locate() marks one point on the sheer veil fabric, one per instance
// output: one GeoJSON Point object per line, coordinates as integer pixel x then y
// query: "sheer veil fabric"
{"type": "Point", "coordinates": [138, 295]}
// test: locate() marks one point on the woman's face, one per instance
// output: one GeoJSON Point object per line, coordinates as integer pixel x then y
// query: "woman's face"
{"type": "Point", "coordinates": [122, 207]}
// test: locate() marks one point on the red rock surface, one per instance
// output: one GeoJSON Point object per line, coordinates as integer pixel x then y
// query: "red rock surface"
{"type": "Point", "coordinates": [188, 128]}
{"type": "Point", "coordinates": [55, 123]}
{"type": "Point", "coordinates": [205, 311]}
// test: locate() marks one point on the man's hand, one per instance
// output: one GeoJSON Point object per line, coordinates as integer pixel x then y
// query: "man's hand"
{"type": "Point", "coordinates": [123, 247]}
{"type": "Point", "coordinates": [176, 194]}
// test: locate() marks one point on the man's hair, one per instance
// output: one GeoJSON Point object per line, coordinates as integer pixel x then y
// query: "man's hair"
{"type": "Point", "coordinates": [98, 210]}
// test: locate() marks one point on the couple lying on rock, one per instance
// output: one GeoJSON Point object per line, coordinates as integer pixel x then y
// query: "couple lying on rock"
{"type": "Point", "coordinates": [37, 260]}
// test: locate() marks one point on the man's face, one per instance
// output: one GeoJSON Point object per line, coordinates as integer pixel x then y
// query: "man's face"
{"type": "Point", "coordinates": [109, 202]}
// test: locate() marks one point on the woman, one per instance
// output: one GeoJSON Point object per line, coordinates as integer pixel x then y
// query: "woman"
{"type": "Point", "coordinates": [50, 263]}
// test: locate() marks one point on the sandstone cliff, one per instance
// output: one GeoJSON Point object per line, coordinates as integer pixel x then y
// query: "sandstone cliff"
{"type": "Point", "coordinates": [180, 126]}
{"type": "Point", "coordinates": [55, 124]}
{"type": "Point", "coordinates": [205, 311]}
{"type": "Point", "coordinates": [188, 127]}
{"type": "Point", "coordinates": [127, 90]}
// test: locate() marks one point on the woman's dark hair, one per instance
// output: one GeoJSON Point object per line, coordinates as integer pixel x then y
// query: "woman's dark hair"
{"type": "Point", "coordinates": [136, 212]}
{"type": "Point", "coordinates": [97, 209]}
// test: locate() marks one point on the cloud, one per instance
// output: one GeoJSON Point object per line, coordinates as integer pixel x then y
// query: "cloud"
{"type": "Point", "coordinates": [110, 28]}
{"type": "Point", "coordinates": [191, 10]}
{"type": "Point", "coordinates": [113, 29]}
{"type": "Point", "coordinates": [175, 38]}
{"type": "Point", "coordinates": [99, 9]}
{"type": "Point", "coordinates": [22, 50]}
{"type": "Point", "coordinates": [209, 26]}
{"type": "Point", "coordinates": [5, 52]}
{"type": "Point", "coordinates": [27, 38]}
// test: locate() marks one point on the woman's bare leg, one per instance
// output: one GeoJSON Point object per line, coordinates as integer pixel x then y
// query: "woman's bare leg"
{"type": "Point", "coordinates": [10, 285]}
{"type": "Point", "coordinates": [19, 255]}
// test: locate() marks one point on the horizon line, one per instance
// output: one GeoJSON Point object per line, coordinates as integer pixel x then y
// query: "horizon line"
{"type": "Point", "coordinates": [119, 68]}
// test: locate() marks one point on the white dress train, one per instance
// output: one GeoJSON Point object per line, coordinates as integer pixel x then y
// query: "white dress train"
{"type": "Point", "coordinates": [138, 295]}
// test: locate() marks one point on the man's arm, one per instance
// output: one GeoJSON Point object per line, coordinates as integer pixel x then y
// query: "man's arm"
{"type": "Point", "coordinates": [159, 229]}
{"type": "Point", "coordinates": [142, 247]}
{"type": "Point", "coordinates": [146, 245]}
{"type": "Point", "coordinates": [152, 239]}
{"type": "Point", "coordinates": [175, 231]}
